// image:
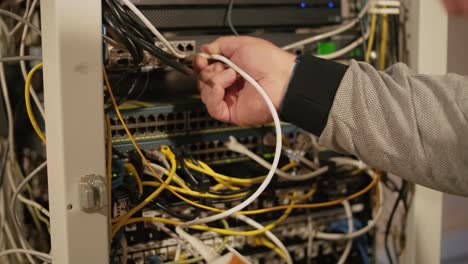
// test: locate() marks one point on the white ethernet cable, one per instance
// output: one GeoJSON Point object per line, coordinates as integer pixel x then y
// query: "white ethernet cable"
{"type": "Point", "coordinates": [208, 253]}
{"type": "Point", "coordinates": [388, 3]}
{"type": "Point", "coordinates": [334, 32]}
{"type": "Point", "coordinates": [235, 146]}
{"type": "Point", "coordinates": [349, 244]}
{"type": "Point", "coordinates": [24, 72]}
{"type": "Point", "coordinates": [346, 49]}
{"type": "Point", "coordinates": [25, 251]}
{"type": "Point", "coordinates": [269, 234]}
{"type": "Point", "coordinates": [12, 204]}
{"type": "Point", "coordinates": [278, 147]}
{"type": "Point", "coordinates": [153, 29]}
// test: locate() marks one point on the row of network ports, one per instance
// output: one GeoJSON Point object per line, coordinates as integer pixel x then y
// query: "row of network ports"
{"type": "Point", "coordinates": [165, 123]}
{"type": "Point", "coordinates": [216, 150]}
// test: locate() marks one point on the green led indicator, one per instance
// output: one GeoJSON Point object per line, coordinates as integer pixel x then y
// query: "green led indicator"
{"type": "Point", "coordinates": [324, 48]}
{"type": "Point", "coordinates": [355, 53]}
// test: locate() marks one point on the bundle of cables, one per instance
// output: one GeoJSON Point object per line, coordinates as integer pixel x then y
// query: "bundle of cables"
{"type": "Point", "coordinates": [137, 39]}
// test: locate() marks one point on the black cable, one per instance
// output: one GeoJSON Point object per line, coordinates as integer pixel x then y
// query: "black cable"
{"type": "Point", "coordinates": [229, 18]}
{"type": "Point", "coordinates": [234, 192]}
{"type": "Point", "coordinates": [111, 18]}
{"type": "Point", "coordinates": [116, 21]}
{"type": "Point", "coordinates": [125, 22]}
{"type": "Point", "coordinates": [390, 220]}
{"type": "Point", "coordinates": [145, 86]}
{"type": "Point", "coordinates": [162, 55]}
{"type": "Point", "coordinates": [115, 86]}
{"type": "Point", "coordinates": [130, 21]}
{"type": "Point", "coordinates": [165, 208]}
{"type": "Point", "coordinates": [191, 177]}
{"type": "Point", "coordinates": [135, 52]}
{"type": "Point", "coordinates": [131, 91]}
{"type": "Point", "coordinates": [396, 36]}
{"type": "Point", "coordinates": [172, 213]}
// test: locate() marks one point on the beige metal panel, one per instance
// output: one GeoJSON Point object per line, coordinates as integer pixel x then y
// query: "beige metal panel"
{"type": "Point", "coordinates": [427, 44]}
{"type": "Point", "coordinates": [72, 52]}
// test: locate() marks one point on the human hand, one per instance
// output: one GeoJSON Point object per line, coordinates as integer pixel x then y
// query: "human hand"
{"type": "Point", "coordinates": [227, 96]}
{"type": "Point", "coordinates": [457, 7]}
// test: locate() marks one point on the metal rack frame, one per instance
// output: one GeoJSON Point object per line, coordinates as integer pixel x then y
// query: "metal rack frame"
{"type": "Point", "coordinates": [72, 53]}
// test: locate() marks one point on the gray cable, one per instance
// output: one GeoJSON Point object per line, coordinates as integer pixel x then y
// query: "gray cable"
{"type": "Point", "coordinates": [3, 162]}
{"type": "Point", "coordinates": [363, 31]}
{"type": "Point", "coordinates": [21, 58]}
{"type": "Point", "coordinates": [229, 18]}
{"type": "Point", "coordinates": [20, 19]}
{"type": "Point", "coordinates": [18, 191]}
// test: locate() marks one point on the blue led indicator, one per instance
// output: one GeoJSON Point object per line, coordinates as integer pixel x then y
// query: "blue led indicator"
{"type": "Point", "coordinates": [303, 5]}
{"type": "Point", "coordinates": [331, 4]}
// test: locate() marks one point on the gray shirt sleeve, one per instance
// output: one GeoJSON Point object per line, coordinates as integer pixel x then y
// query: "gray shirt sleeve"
{"type": "Point", "coordinates": [411, 125]}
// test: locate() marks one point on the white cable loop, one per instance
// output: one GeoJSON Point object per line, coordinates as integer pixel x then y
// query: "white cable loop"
{"type": "Point", "coordinates": [278, 147]}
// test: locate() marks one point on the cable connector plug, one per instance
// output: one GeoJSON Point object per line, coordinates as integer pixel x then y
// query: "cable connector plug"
{"type": "Point", "coordinates": [235, 146]}
{"type": "Point", "coordinates": [167, 152]}
{"type": "Point", "coordinates": [207, 252]}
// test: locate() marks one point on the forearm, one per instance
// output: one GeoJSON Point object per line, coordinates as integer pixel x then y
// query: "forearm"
{"type": "Point", "coordinates": [411, 125]}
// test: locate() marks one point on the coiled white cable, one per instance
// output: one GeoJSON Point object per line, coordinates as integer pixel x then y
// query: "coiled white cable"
{"type": "Point", "coordinates": [278, 147]}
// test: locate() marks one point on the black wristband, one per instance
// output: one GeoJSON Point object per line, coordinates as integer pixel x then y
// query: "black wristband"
{"type": "Point", "coordinates": [311, 92]}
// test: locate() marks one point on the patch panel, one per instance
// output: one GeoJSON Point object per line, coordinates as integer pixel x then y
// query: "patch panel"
{"type": "Point", "coordinates": [187, 125]}
{"type": "Point", "coordinates": [296, 242]}
{"type": "Point", "coordinates": [187, 116]}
